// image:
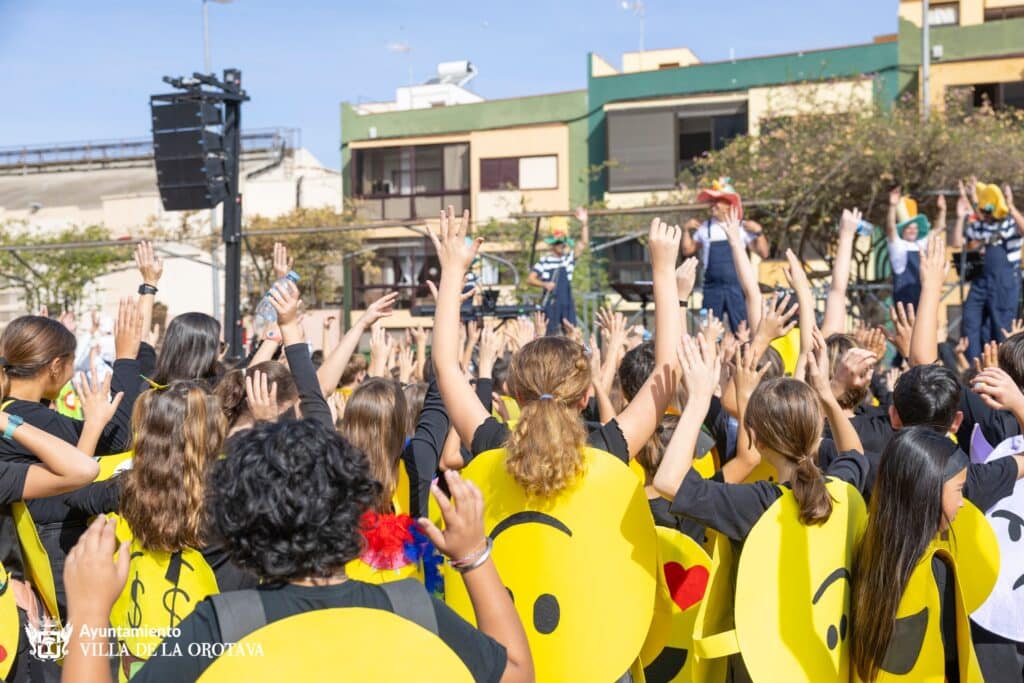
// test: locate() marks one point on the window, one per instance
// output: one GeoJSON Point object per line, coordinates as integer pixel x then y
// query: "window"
{"type": "Point", "coordinates": [1000, 13]}
{"type": "Point", "coordinates": [400, 183]}
{"type": "Point", "coordinates": [944, 15]}
{"type": "Point", "coordinates": [519, 173]}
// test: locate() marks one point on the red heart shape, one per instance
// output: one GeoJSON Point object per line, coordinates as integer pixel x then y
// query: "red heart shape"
{"type": "Point", "coordinates": [686, 586]}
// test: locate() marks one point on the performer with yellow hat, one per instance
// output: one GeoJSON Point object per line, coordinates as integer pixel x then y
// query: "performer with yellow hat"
{"type": "Point", "coordinates": [905, 232]}
{"type": "Point", "coordinates": [722, 291]}
{"type": "Point", "coordinates": [992, 303]}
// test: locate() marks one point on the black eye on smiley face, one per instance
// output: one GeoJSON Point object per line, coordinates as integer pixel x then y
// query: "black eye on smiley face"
{"type": "Point", "coordinates": [1014, 524]}
{"type": "Point", "coordinates": [546, 610]}
{"type": "Point", "coordinates": [836, 633]}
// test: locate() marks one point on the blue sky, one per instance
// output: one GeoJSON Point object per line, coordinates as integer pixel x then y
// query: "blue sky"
{"type": "Point", "coordinates": [83, 69]}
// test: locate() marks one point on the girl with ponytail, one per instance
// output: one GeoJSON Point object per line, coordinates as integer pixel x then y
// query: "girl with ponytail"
{"type": "Point", "coordinates": [550, 377]}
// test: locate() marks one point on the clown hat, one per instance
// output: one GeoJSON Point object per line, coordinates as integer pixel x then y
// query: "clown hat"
{"type": "Point", "coordinates": [991, 200]}
{"type": "Point", "coordinates": [721, 189]}
{"type": "Point", "coordinates": [907, 214]}
{"type": "Point", "coordinates": [559, 231]}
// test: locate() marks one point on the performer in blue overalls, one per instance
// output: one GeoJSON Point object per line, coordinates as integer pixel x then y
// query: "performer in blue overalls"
{"type": "Point", "coordinates": [722, 291]}
{"type": "Point", "coordinates": [993, 301]}
{"type": "Point", "coordinates": [905, 232]}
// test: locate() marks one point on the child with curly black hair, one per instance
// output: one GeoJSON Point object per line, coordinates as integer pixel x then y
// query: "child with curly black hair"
{"type": "Point", "coordinates": [288, 498]}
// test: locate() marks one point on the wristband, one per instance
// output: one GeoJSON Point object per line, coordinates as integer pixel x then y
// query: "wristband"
{"type": "Point", "coordinates": [683, 303]}
{"type": "Point", "coordinates": [473, 561]}
{"type": "Point", "coordinates": [145, 289]}
{"type": "Point", "coordinates": [13, 422]}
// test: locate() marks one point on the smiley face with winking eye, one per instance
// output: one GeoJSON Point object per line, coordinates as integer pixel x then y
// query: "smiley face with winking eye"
{"type": "Point", "coordinates": [580, 566]}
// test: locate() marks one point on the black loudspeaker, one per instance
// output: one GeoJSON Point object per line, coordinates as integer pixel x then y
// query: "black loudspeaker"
{"type": "Point", "coordinates": [189, 154]}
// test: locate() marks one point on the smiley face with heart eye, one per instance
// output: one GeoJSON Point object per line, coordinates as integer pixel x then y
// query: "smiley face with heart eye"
{"type": "Point", "coordinates": [682, 583]}
{"type": "Point", "coordinates": [581, 567]}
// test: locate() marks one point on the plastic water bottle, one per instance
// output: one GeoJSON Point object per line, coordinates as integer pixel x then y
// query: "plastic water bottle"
{"type": "Point", "coordinates": [265, 313]}
{"type": "Point", "coordinates": [865, 229]}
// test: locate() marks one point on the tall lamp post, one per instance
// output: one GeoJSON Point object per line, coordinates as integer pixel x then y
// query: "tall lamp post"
{"type": "Point", "coordinates": [926, 58]}
{"type": "Point", "coordinates": [214, 263]}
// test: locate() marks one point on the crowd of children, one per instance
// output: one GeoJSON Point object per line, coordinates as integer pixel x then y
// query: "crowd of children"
{"type": "Point", "coordinates": [539, 506]}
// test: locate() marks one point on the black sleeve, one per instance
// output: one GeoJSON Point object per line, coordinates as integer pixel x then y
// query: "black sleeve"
{"type": "Point", "coordinates": [489, 435]}
{"type": "Point", "coordinates": [730, 509]}
{"type": "Point", "coordinates": [147, 359]}
{"type": "Point", "coordinates": [610, 438]}
{"type": "Point", "coordinates": [423, 452]}
{"type": "Point", "coordinates": [717, 423]}
{"type": "Point", "coordinates": [97, 498]}
{"type": "Point", "coordinates": [311, 399]}
{"type": "Point", "coordinates": [996, 425]}
{"type": "Point", "coordinates": [484, 388]}
{"type": "Point", "coordinates": [12, 481]}
{"type": "Point", "coordinates": [117, 435]}
{"type": "Point", "coordinates": [851, 467]}
{"type": "Point", "coordinates": [990, 482]}
{"type": "Point", "coordinates": [182, 657]}
{"type": "Point", "coordinates": [485, 658]}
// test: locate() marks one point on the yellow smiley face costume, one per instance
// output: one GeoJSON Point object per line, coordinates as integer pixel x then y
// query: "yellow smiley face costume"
{"type": "Point", "coordinates": [581, 567]}
{"type": "Point", "coordinates": [916, 652]}
{"type": "Point", "coordinates": [162, 589]}
{"type": "Point", "coordinates": [682, 581]}
{"type": "Point", "coordinates": [350, 643]}
{"type": "Point", "coordinates": [789, 616]}
{"type": "Point", "coordinates": [9, 629]}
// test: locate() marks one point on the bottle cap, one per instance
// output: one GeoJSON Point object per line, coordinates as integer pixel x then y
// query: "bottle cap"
{"type": "Point", "coordinates": [293, 276]}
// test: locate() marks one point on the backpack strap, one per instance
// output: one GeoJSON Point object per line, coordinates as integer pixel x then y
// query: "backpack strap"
{"type": "Point", "coordinates": [410, 600]}
{"type": "Point", "coordinates": [239, 613]}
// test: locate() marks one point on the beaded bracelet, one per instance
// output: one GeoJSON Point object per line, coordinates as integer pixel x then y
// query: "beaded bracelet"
{"type": "Point", "coordinates": [473, 561]}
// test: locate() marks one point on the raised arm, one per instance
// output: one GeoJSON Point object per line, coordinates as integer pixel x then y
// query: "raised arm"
{"type": "Point", "coordinates": [455, 257]}
{"type": "Point", "coordinates": [334, 364]}
{"type": "Point", "coordinates": [940, 216]}
{"type": "Point", "coordinates": [1017, 217]}
{"type": "Point", "coordinates": [835, 305]}
{"type": "Point", "coordinates": [151, 268]}
{"type": "Point", "coordinates": [686, 277]}
{"type": "Point", "coordinates": [643, 414]}
{"type": "Point", "coordinates": [843, 433]}
{"type": "Point", "coordinates": [583, 217]}
{"type": "Point", "coordinates": [890, 218]}
{"type": "Point", "coordinates": [758, 245]}
{"type": "Point", "coordinates": [924, 347]}
{"type": "Point", "coordinates": [777, 319]}
{"type": "Point", "coordinates": [745, 380]}
{"type": "Point", "coordinates": [700, 369]}
{"type": "Point", "coordinates": [963, 210]}
{"type": "Point", "coordinates": [65, 467]}
{"type": "Point", "coordinates": [805, 300]}
{"type": "Point", "coordinates": [744, 268]}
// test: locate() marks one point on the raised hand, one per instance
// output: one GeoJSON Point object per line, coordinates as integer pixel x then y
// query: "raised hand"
{"type": "Point", "coordinates": [743, 332]}
{"type": "Point", "coordinates": [381, 308]}
{"type": "Point", "coordinates": [894, 195]}
{"type": "Point", "coordinates": [285, 299]}
{"type": "Point", "coordinates": [733, 226]}
{"type": "Point", "coordinates": [940, 203]}
{"type": "Point", "coordinates": [701, 369]}
{"type": "Point", "coordinates": [1008, 195]}
{"type": "Point", "coordinates": [492, 345]}
{"type": "Point", "coordinates": [149, 264]}
{"type": "Point", "coordinates": [686, 276]}
{"type": "Point", "coordinates": [406, 363]}
{"type": "Point", "coordinates": [853, 371]}
{"type": "Point", "coordinates": [998, 390]}
{"type": "Point", "coordinates": [713, 329]}
{"type": "Point", "coordinates": [934, 264]}
{"type": "Point", "coordinates": [453, 251]}
{"type": "Point", "coordinates": [282, 262]}
{"type": "Point", "coordinates": [747, 376]}
{"type": "Point", "coordinates": [261, 397]}
{"type": "Point", "coordinates": [1015, 327]}
{"type": "Point", "coordinates": [463, 536]}
{"type": "Point", "coordinates": [777, 318]}
{"type": "Point", "coordinates": [540, 324]}
{"type": "Point", "coordinates": [572, 332]}
{"type": "Point", "coordinates": [849, 221]}
{"type": "Point", "coordinates": [989, 357]}
{"type": "Point", "coordinates": [963, 205]}
{"type": "Point", "coordinates": [432, 286]}
{"type": "Point", "coordinates": [128, 329]}
{"type": "Point", "coordinates": [68, 320]}
{"type": "Point", "coordinates": [903, 327]}
{"type": "Point", "coordinates": [663, 243]}
{"type": "Point", "coordinates": [817, 369]}
{"type": "Point", "coordinates": [94, 396]}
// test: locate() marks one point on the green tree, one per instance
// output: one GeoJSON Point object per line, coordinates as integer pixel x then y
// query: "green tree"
{"type": "Point", "coordinates": [56, 278]}
{"type": "Point", "coordinates": [317, 256]}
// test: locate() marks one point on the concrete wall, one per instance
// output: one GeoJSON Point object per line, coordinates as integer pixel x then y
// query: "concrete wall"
{"type": "Point", "coordinates": [971, 72]}
{"type": "Point", "coordinates": [800, 98]}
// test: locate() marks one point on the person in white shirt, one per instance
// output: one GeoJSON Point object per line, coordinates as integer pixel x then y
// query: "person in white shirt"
{"type": "Point", "coordinates": [905, 232]}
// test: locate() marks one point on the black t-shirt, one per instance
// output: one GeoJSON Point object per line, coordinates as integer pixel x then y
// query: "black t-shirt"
{"type": "Point", "coordinates": [944, 581]}
{"type": "Point", "coordinates": [874, 429]}
{"type": "Point", "coordinates": [422, 452]}
{"type": "Point", "coordinates": [717, 424]}
{"type": "Point", "coordinates": [661, 510]}
{"type": "Point", "coordinates": [492, 434]}
{"type": "Point", "coordinates": [734, 509]}
{"type": "Point", "coordinates": [990, 482]}
{"type": "Point", "coordinates": [483, 656]}
{"type": "Point", "coordinates": [828, 452]}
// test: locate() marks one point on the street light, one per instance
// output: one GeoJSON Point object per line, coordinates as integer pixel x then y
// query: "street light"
{"type": "Point", "coordinates": [639, 9]}
{"type": "Point", "coordinates": [214, 263]}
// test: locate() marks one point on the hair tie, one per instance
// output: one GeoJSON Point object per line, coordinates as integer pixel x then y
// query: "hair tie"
{"type": "Point", "coordinates": [545, 397]}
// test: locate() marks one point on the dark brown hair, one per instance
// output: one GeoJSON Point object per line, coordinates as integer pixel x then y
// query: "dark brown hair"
{"type": "Point", "coordinates": [29, 344]}
{"type": "Point", "coordinates": [231, 388]}
{"type": "Point", "coordinates": [1011, 358]}
{"type": "Point", "coordinates": [549, 377]}
{"type": "Point", "coordinates": [374, 423]}
{"type": "Point", "coordinates": [179, 432]}
{"type": "Point", "coordinates": [786, 417]}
